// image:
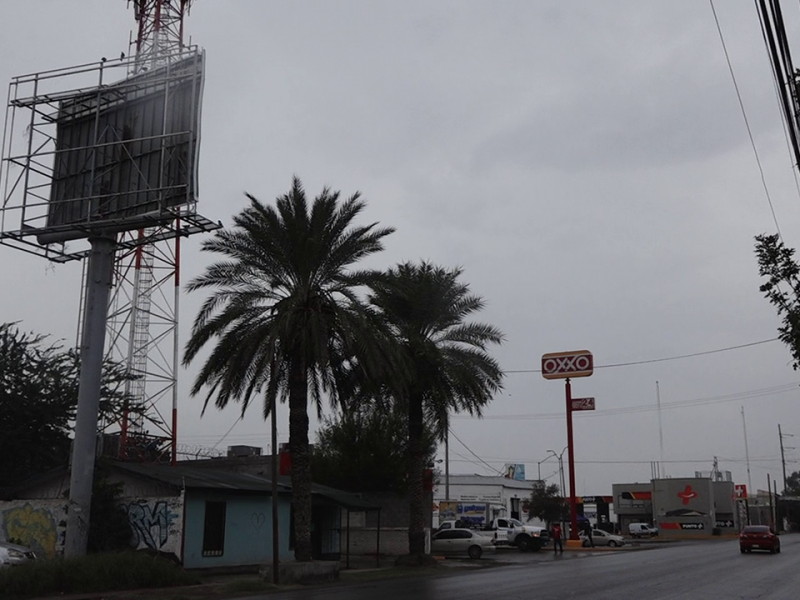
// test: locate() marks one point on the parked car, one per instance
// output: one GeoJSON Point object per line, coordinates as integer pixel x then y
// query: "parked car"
{"type": "Point", "coordinates": [759, 537]}
{"type": "Point", "coordinates": [12, 555]}
{"type": "Point", "coordinates": [638, 530]}
{"type": "Point", "coordinates": [461, 541]}
{"type": "Point", "coordinates": [601, 538]}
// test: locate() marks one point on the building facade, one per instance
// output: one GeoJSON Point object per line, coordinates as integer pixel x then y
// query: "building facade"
{"type": "Point", "coordinates": [204, 517]}
{"type": "Point", "coordinates": [505, 495]}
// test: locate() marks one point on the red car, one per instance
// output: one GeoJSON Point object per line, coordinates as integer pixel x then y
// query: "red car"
{"type": "Point", "coordinates": [759, 537]}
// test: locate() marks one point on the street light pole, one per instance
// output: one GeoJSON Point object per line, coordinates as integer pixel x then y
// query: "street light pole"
{"type": "Point", "coordinates": [447, 463]}
{"type": "Point", "coordinates": [560, 458]}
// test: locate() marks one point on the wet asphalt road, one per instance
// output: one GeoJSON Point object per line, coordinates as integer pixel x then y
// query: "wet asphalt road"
{"type": "Point", "coordinates": [703, 570]}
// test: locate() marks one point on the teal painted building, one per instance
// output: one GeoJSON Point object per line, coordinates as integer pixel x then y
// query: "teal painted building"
{"type": "Point", "coordinates": [203, 514]}
{"type": "Point", "coordinates": [225, 529]}
{"type": "Point", "coordinates": [214, 517]}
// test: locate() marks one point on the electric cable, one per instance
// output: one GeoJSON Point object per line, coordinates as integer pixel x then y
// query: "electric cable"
{"type": "Point", "coordinates": [734, 397]}
{"type": "Point", "coordinates": [746, 120]}
{"type": "Point", "coordinates": [499, 472]}
{"type": "Point", "coordinates": [656, 360]}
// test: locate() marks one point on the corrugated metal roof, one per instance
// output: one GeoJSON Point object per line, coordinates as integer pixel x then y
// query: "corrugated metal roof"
{"type": "Point", "coordinates": [206, 478]}
{"type": "Point", "coordinates": [223, 479]}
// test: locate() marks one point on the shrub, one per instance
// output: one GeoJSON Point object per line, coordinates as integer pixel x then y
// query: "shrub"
{"type": "Point", "coordinates": [91, 574]}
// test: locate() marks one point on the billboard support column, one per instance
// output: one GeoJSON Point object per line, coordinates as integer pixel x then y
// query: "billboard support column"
{"type": "Point", "coordinates": [84, 448]}
{"type": "Point", "coordinates": [573, 503]}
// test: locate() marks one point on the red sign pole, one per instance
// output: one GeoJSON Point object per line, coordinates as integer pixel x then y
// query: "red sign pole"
{"type": "Point", "coordinates": [573, 503]}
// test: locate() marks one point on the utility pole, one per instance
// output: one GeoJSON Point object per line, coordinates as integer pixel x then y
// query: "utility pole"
{"type": "Point", "coordinates": [662, 471]}
{"type": "Point", "coordinates": [746, 454]}
{"type": "Point", "coordinates": [783, 457]}
{"type": "Point", "coordinates": [447, 462]}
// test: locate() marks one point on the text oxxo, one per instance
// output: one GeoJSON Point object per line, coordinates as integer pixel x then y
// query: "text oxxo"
{"type": "Point", "coordinates": [561, 365]}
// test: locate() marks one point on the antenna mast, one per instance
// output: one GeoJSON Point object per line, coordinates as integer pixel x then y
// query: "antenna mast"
{"type": "Point", "coordinates": [144, 312]}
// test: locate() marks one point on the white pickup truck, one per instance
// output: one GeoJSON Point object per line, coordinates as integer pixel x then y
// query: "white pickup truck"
{"type": "Point", "coordinates": [515, 533]}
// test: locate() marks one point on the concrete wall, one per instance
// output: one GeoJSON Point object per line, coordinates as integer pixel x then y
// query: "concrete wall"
{"type": "Point", "coordinates": [394, 509]}
{"type": "Point", "coordinates": [248, 529]}
{"type": "Point", "coordinates": [684, 507]}
{"type": "Point", "coordinates": [394, 541]}
{"type": "Point", "coordinates": [38, 524]}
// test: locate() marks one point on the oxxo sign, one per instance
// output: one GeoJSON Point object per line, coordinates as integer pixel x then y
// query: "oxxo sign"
{"type": "Point", "coordinates": [562, 365]}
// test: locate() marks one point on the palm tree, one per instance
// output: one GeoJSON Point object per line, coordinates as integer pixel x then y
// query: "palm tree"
{"type": "Point", "coordinates": [444, 368]}
{"type": "Point", "coordinates": [285, 316]}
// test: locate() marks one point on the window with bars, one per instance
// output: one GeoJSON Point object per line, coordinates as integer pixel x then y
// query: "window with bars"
{"type": "Point", "coordinates": [214, 529]}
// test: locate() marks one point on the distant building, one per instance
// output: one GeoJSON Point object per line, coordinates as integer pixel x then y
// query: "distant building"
{"type": "Point", "coordinates": [633, 503]}
{"type": "Point", "coordinates": [503, 493]}
{"type": "Point", "coordinates": [679, 507]}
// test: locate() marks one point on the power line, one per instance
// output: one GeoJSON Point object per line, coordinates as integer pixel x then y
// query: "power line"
{"type": "Point", "coordinates": [222, 439]}
{"type": "Point", "coordinates": [634, 462]}
{"type": "Point", "coordinates": [746, 120]}
{"type": "Point", "coordinates": [735, 397]}
{"type": "Point", "coordinates": [499, 472]}
{"type": "Point", "coordinates": [656, 360]}
{"type": "Point", "coordinates": [465, 459]}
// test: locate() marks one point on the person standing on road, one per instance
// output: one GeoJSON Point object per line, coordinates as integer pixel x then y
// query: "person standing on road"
{"type": "Point", "coordinates": [557, 545]}
{"type": "Point", "coordinates": [587, 529]}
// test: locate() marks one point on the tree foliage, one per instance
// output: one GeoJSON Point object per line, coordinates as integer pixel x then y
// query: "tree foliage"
{"type": "Point", "coordinates": [777, 264]}
{"type": "Point", "coordinates": [284, 315]}
{"type": "Point", "coordinates": [109, 526]}
{"type": "Point", "coordinates": [792, 484]}
{"type": "Point", "coordinates": [442, 364]}
{"type": "Point", "coordinates": [546, 503]}
{"type": "Point", "coordinates": [366, 449]}
{"type": "Point", "coordinates": [38, 399]}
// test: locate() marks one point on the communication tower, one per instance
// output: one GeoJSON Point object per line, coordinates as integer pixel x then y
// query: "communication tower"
{"type": "Point", "coordinates": [99, 161]}
{"type": "Point", "coordinates": [143, 318]}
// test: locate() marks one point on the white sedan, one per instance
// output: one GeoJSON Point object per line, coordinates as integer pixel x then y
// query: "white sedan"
{"type": "Point", "coordinates": [461, 541]}
{"type": "Point", "coordinates": [601, 538]}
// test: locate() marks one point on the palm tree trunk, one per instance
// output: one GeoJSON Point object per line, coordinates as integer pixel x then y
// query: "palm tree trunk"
{"type": "Point", "coordinates": [416, 466]}
{"type": "Point", "coordinates": [301, 464]}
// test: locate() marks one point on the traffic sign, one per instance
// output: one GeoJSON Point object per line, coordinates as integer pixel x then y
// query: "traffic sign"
{"type": "Point", "coordinates": [563, 365]}
{"type": "Point", "coordinates": [740, 490]}
{"type": "Point", "coordinates": [582, 404]}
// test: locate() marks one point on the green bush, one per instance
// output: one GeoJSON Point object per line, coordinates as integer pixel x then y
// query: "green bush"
{"type": "Point", "coordinates": [90, 574]}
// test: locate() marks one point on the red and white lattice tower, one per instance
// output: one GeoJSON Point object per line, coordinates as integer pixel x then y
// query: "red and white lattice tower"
{"type": "Point", "coordinates": [143, 314]}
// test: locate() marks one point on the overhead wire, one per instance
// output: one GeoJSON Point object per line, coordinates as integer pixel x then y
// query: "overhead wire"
{"type": "Point", "coordinates": [499, 472]}
{"type": "Point", "coordinates": [222, 439]}
{"type": "Point", "coordinates": [746, 120]}
{"type": "Point", "coordinates": [734, 397]}
{"type": "Point", "coordinates": [657, 360]}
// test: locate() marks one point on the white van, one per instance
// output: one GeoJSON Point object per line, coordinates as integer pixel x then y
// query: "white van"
{"type": "Point", "coordinates": [638, 530]}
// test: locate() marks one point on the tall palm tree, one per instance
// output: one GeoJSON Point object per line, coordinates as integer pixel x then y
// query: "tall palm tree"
{"type": "Point", "coordinates": [445, 366]}
{"type": "Point", "coordinates": [284, 315]}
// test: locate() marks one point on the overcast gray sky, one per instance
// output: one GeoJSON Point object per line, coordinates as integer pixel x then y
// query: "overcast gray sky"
{"type": "Point", "coordinates": [585, 162]}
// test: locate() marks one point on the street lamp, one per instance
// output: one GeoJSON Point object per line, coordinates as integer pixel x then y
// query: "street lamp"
{"type": "Point", "coordinates": [559, 457]}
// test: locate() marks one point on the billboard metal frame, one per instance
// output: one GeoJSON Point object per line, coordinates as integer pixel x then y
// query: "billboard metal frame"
{"type": "Point", "coordinates": [37, 103]}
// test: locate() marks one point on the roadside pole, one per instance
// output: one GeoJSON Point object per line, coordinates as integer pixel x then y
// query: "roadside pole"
{"type": "Point", "coordinates": [573, 501]}
{"type": "Point", "coordinates": [566, 365]}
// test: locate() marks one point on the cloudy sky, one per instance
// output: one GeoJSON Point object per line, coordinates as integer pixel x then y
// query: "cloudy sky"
{"type": "Point", "coordinates": [586, 163]}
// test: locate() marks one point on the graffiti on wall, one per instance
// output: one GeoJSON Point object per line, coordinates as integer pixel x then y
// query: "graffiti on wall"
{"type": "Point", "coordinates": [40, 525]}
{"type": "Point", "coordinates": [156, 523]}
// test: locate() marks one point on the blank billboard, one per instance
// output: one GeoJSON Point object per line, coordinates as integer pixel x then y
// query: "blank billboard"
{"type": "Point", "coordinates": [126, 152]}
